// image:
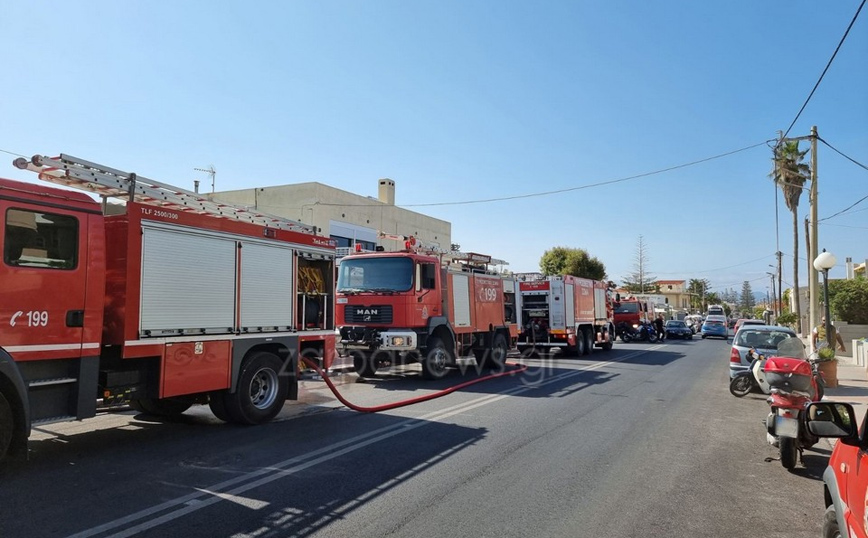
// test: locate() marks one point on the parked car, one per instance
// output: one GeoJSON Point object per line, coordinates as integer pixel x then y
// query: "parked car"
{"type": "Point", "coordinates": [677, 329]}
{"type": "Point", "coordinates": [714, 326]}
{"type": "Point", "coordinates": [746, 321]}
{"type": "Point", "coordinates": [846, 476]}
{"type": "Point", "coordinates": [763, 339]}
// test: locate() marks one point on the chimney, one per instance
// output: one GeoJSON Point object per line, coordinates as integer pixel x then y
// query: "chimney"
{"type": "Point", "coordinates": [386, 192]}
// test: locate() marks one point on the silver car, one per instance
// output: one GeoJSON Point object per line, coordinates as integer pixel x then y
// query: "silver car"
{"type": "Point", "coordinates": [764, 339]}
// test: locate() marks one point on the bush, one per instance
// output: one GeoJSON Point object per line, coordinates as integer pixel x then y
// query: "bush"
{"type": "Point", "coordinates": [850, 300]}
{"type": "Point", "coordinates": [826, 354]}
{"type": "Point", "coordinates": [787, 319]}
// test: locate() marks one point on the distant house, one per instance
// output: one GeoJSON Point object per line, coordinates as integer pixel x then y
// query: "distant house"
{"type": "Point", "coordinates": [676, 293]}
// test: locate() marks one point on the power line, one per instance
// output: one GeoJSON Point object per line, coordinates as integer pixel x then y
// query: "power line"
{"type": "Point", "coordinates": [845, 210]}
{"type": "Point", "coordinates": [718, 269]}
{"type": "Point", "coordinates": [854, 161]}
{"type": "Point", "coordinates": [570, 189]}
{"type": "Point", "coordinates": [826, 69]}
{"type": "Point", "coordinates": [13, 153]}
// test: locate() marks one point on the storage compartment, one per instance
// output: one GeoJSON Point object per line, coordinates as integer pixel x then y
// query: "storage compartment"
{"type": "Point", "coordinates": [788, 374]}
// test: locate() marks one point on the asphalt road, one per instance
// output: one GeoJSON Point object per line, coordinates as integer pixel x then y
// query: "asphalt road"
{"type": "Point", "coordinates": [644, 440]}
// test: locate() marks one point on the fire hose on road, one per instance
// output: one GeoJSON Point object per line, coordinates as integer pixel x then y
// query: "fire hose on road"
{"type": "Point", "coordinates": [516, 369]}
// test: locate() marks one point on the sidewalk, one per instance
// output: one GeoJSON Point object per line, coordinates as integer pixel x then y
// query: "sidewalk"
{"type": "Point", "coordinates": [852, 387]}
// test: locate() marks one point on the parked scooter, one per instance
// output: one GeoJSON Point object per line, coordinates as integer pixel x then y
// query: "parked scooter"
{"type": "Point", "coordinates": [793, 386]}
{"type": "Point", "coordinates": [751, 380]}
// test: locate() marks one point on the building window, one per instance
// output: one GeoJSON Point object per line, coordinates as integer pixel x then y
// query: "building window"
{"type": "Point", "coordinates": [347, 242]}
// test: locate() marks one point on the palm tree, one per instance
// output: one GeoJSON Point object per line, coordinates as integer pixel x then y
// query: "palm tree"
{"type": "Point", "coordinates": [790, 173]}
{"type": "Point", "coordinates": [697, 289]}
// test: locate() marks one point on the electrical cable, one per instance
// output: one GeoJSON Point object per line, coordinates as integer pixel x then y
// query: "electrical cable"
{"type": "Point", "coordinates": [854, 161]}
{"type": "Point", "coordinates": [824, 70]}
{"type": "Point", "coordinates": [517, 369]}
{"type": "Point", "coordinates": [845, 210]}
{"type": "Point", "coordinates": [570, 189]}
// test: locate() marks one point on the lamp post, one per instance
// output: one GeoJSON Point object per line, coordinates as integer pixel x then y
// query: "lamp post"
{"type": "Point", "coordinates": [822, 263]}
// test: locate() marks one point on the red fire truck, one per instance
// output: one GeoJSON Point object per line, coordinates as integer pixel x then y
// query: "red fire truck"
{"type": "Point", "coordinates": [630, 311]}
{"type": "Point", "coordinates": [565, 312]}
{"type": "Point", "coordinates": [177, 300]}
{"type": "Point", "coordinates": [417, 305]}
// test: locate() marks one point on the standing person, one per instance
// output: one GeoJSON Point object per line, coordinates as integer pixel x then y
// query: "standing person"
{"type": "Point", "coordinates": [658, 324]}
{"type": "Point", "coordinates": [818, 336]}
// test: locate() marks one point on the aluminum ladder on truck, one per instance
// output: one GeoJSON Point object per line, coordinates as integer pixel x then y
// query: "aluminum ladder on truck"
{"type": "Point", "coordinates": [109, 182]}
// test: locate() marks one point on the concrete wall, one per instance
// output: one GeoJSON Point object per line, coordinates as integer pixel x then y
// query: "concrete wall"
{"type": "Point", "coordinates": [317, 204]}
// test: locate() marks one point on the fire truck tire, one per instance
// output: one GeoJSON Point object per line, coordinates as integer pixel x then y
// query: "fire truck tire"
{"type": "Point", "coordinates": [161, 407]}
{"type": "Point", "coordinates": [217, 403]}
{"type": "Point", "coordinates": [6, 427]}
{"type": "Point", "coordinates": [589, 341]}
{"type": "Point", "coordinates": [436, 360]}
{"type": "Point", "coordinates": [579, 349]}
{"type": "Point", "coordinates": [364, 364]}
{"type": "Point", "coordinates": [262, 390]}
{"type": "Point", "coordinates": [497, 354]}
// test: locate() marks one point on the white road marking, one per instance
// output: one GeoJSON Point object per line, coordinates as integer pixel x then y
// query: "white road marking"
{"type": "Point", "coordinates": [232, 490]}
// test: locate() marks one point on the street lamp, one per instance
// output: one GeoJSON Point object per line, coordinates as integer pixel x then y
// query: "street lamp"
{"type": "Point", "coordinates": [822, 263]}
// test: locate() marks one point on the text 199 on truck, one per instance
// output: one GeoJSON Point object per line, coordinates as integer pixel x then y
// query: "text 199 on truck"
{"type": "Point", "coordinates": [418, 305]}
{"type": "Point", "coordinates": [175, 301]}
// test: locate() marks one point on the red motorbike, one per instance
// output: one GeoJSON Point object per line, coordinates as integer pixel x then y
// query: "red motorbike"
{"type": "Point", "coordinates": [794, 384]}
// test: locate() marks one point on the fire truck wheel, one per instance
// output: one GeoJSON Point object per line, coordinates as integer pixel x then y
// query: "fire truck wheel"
{"type": "Point", "coordinates": [579, 350]}
{"type": "Point", "coordinates": [161, 407]}
{"type": "Point", "coordinates": [364, 364]}
{"type": "Point", "coordinates": [435, 361]}
{"type": "Point", "coordinates": [262, 390]}
{"type": "Point", "coordinates": [589, 341]}
{"type": "Point", "coordinates": [499, 350]}
{"type": "Point", "coordinates": [217, 403]}
{"type": "Point", "coordinates": [5, 426]}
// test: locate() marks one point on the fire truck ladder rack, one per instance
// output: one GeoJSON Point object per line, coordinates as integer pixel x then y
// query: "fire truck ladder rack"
{"type": "Point", "coordinates": [109, 182]}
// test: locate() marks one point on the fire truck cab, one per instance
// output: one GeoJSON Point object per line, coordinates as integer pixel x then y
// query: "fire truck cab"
{"type": "Point", "coordinates": [412, 306]}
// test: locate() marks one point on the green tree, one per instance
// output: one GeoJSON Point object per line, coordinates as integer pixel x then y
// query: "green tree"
{"type": "Point", "coordinates": [640, 281]}
{"type": "Point", "coordinates": [571, 261]}
{"type": "Point", "coordinates": [848, 300]}
{"type": "Point", "coordinates": [790, 174]}
{"type": "Point", "coordinates": [746, 301]}
{"type": "Point", "coordinates": [698, 288]}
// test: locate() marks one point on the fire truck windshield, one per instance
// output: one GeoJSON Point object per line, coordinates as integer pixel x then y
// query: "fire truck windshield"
{"type": "Point", "coordinates": [627, 308]}
{"type": "Point", "coordinates": [383, 274]}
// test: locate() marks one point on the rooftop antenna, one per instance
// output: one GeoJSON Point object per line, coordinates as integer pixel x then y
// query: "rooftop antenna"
{"type": "Point", "coordinates": [210, 171]}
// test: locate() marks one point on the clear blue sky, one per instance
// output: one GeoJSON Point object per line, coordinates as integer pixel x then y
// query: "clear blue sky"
{"type": "Point", "coordinates": [460, 101]}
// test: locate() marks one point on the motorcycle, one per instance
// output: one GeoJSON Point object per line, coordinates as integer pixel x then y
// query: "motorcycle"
{"type": "Point", "coordinates": [794, 384]}
{"type": "Point", "coordinates": [625, 331]}
{"type": "Point", "coordinates": [751, 380]}
{"type": "Point", "coordinates": [639, 332]}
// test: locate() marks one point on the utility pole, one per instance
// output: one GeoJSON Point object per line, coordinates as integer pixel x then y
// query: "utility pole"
{"type": "Point", "coordinates": [780, 288]}
{"type": "Point", "coordinates": [813, 277]}
{"type": "Point", "coordinates": [772, 301]}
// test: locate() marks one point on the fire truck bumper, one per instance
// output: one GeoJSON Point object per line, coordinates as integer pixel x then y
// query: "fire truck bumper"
{"type": "Point", "coordinates": [398, 340]}
{"type": "Point", "coordinates": [353, 339]}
